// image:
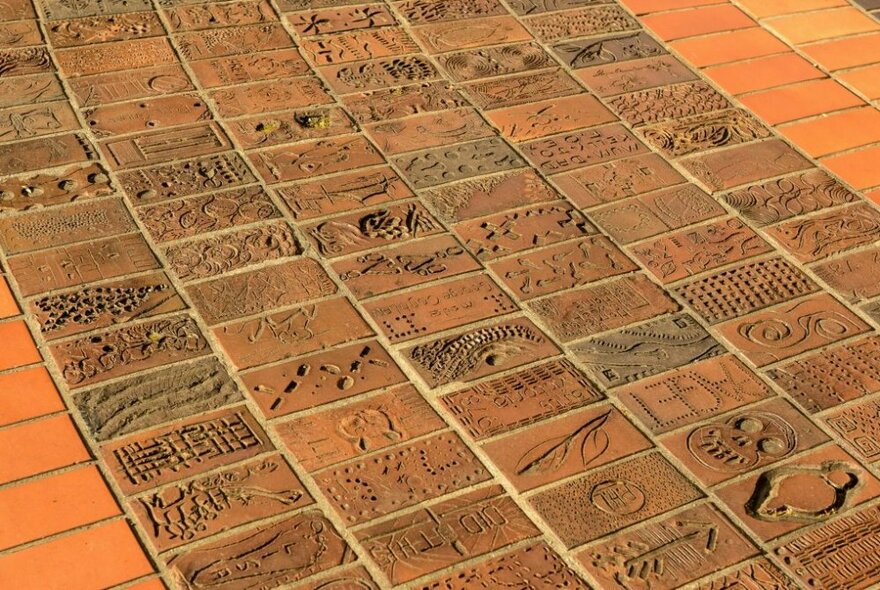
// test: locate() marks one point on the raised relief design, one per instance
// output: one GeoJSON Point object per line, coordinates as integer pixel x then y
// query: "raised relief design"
{"type": "Point", "coordinates": [694, 392]}
{"type": "Point", "coordinates": [852, 276]}
{"type": "Point", "coordinates": [631, 354]}
{"type": "Point", "coordinates": [432, 167]}
{"type": "Point", "coordinates": [387, 104]}
{"type": "Point", "coordinates": [443, 37]}
{"type": "Point", "coordinates": [516, 90]}
{"type": "Point", "coordinates": [209, 16]}
{"type": "Point", "coordinates": [252, 292]}
{"type": "Point", "coordinates": [232, 41]}
{"type": "Point", "coordinates": [582, 23]}
{"type": "Point", "coordinates": [479, 351]}
{"type": "Point", "coordinates": [265, 131]}
{"type": "Point", "coordinates": [273, 95]}
{"type": "Point", "coordinates": [703, 132]}
{"type": "Point", "coordinates": [19, 193]}
{"type": "Point", "coordinates": [737, 291]}
{"type": "Point", "coordinates": [582, 148]}
{"type": "Point", "coordinates": [201, 507]}
{"type": "Point", "coordinates": [521, 398]}
{"type": "Point", "coordinates": [439, 536]}
{"type": "Point", "coordinates": [397, 223]}
{"type": "Point", "coordinates": [429, 130]}
{"type": "Point", "coordinates": [36, 120]}
{"type": "Point", "coordinates": [129, 85]}
{"type": "Point", "coordinates": [432, 11]}
{"type": "Point", "coordinates": [344, 18]}
{"type": "Point", "coordinates": [818, 237]}
{"type": "Point", "coordinates": [163, 146]}
{"type": "Point", "coordinates": [57, 9]}
{"type": "Point", "coordinates": [668, 102]}
{"type": "Point", "coordinates": [145, 401]}
{"type": "Point", "coordinates": [240, 69]}
{"type": "Point", "coordinates": [30, 90]}
{"type": "Point", "coordinates": [113, 57]}
{"type": "Point", "coordinates": [359, 46]}
{"type": "Point", "coordinates": [789, 197]}
{"type": "Point", "coordinates": [380, 73]}
{"type": "Point", "coordinates": [404, 266]}
{"type": "Point", "coordinates": [359, 428]}
{"type": "Point", "coordinates": [612, 498]}
{"type": "Point", "coordinates": [577, 314]}
{"type": "Point", "coordinates": [101, 29]}
{"type": "Point", "coordinates": [28, 60]}
{"type": "Point", "coordinates": [769, 502]}
{"type": "Point", "coordinates": [184, 178]}
{"type": "Point", "coordinates": [210, 257]}
{"type": "Point", "coordinates": [835, 376]}
{"type": "Point", "coordinates": [129, 349]}
{"type": "Point", "coordinates": [594, 52]}
{"type": "Point", "coordinates": [187, 218]}
{"type": "Point", "coordinates": [859, 425]}
{"type": "Point", "coordinates": [400, 477]}
{"type": "Point", "coordinates": [264, 557]}
{"type": "Point", "coordinates": [485, 62]}
{"type": "Point", "coordinates": [744, 441]}
{"type": "Point", "coordinates": [322, 378]}
{"type": "Point", "coordinates": [771, 336]}
{"type": "Point", "coordinates": [759, 574]}
{"type": "Point", "coordinates": [101, 306]}
{"type": "Point", "coordinates": [310, 159]}
{"type": "Point", "coordinates": [524, 229]}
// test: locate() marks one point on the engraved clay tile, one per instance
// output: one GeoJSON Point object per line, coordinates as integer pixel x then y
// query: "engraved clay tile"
{"type": "Point", "coordinates": [394, 103]}
{"type": "Point", "coordinates": [232, 41]}
{"type": "Point", "coordinates": [475, 32]}
{"type": "Point", "coordinates": [145, 115]}
{"type": "Point", "coordinates": [817, 237]}
{"type": "Point", "coordinates": [569, 151]}
{"type": "Point", "coordinates": [429, 130]}
{"type": "Point", "coordinates": [859, 427]}
{"type": "Point", "coordinates": [147, 82]}
{"type": "Point", "coordinates": [744, 164]}
{"type": "Point", "coordinates": [703, 132]}
{"type": "Point", "coordinates": [339, 19]}
{"type": "Point", "coordinates": [757, 573]}
{"type": "Point", "coordinates": [380, 73]}
{"type": "Point", "coordinates": [473, 64]}
{"type": "Point", "coordinates": [539, 119]}
{"type": "Point", "coordinates": [249, 67]}
{"type": "Point", "coordinates": [631, 76]}
{"type": "Point", "coordinates": [209, 16]}
{"type": "Point", "coordinates": [306, 160]}
{"type": "Point", "coordinates": [517, 89]}
{"type": "Point", "coordinates": [583, 22]}
{"type": "Point", "coordinates": [29, 90]}
{"type": "Point", "coordinates": [431, 11]}
{"type": "Point", "coordinates": [273, 129]}
{"type": "Point", "coordinates": [26, 122]}
{"type": "Point", "coordinates": [74, 32]}
{"type": "Point", "coordinates": [606, 50]}
{"type": "Point", "coordinates": [358, 46]}
{"type": "Point", "coordinates": [75, 183]}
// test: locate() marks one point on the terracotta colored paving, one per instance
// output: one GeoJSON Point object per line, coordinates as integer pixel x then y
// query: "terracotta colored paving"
{"type": "Point", "coordinates": [438, 294]}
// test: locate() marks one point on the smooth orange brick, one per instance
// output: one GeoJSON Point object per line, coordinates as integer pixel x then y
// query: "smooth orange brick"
{"type": "Point", "coordinates": [836, 132]}
{"type": "Point", "coordinates": [865, 80]}
{"type": "Point", "coordinates": [53, 504]}
{"type": "Point", "coordinates": [845, 53]}
{"type": "Point", "coordinates": [39, 446]}
{"type": "Point", "coordinates": [8, 306]}
{"type": "Point", "coordinates": [100, 557]}
{"type": "Point", "coordinates": [874, 196]}
{"type": "Point", "coordinates": [789, 103]}
{"type": "Point", "coordinates": [764, 73]}
{"type": "Point", "coordinates": [861, 169]}
{"type": "Point", "coordinates": [17, 347]}
{"type": "Point", "coordinates": [825, 24]}
{"type": "Point", "coordinates": [648, 6]}
{"type": "Point", "coordinates": [762, 8]}
{"type": "Point", "coordinates": [27, 394]}
{"type": "Point", "coordinates": [729, 47]}
{"type": "Point", "coordinates": [700, 21]}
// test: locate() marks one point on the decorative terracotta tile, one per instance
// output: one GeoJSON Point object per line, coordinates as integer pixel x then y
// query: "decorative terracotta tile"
{"type": "Point", "coordinates": [148, 82]}
{"type": "Point", "coordinates": [539, 119]}
{"type": "Point", "coordinates": [521, 398]}
{"type": "Point", "coordinates": [744, 164]}
{"type": "Point", "coordinates": [381, 483]}
{"type": "Point", "coordinates": [60, 226]}
{"type": "Point", "coordinates": [473, 64]}
{"type": "Point", "coordinates": [518, 89]}
{"type": "Point", "coordinates": [698, 391]}
{"type": "Point", "coordinates": [163, 146]}
{"type": "Point", "coordinates": [252, 292]}
{"type": "Point", "coordinates": [290, 127]}
{"type": "Point", "coordinates": [436, 166]}
{"type": "Point", "coordinates": [356, 232]}
{"type": "Point", "coordinates": [322, 378]}
{"type": "Point", "coordinates": [148, 400]}
{"type": "Point", "coordinates": [794, 494]}
{"type": "Point", "coordinates": [292, 333]}
{"type": "Point", "coordinates": [582, 148]}
{"type": "Point", "coordinates": [58, 9]}
{"type": "Point", "coordinates": [479, 352]}
{"type": "Point", "coordinates": [122, 351]}
{"type": "Point", "coordinates": [83, 263]}
{"type": "Point", "coordinates": [556, 449]}
{"type": "Point", "coordinates": [353, 577]}
{"type": "Point", "coordinates": [100, 306]}
{"type": "Point", "coordinates": [836, 554]}
{"type": "Point", "coordinates": [75, 32]}
{"type": "Point", "coordinates": [631, 354]}
{"type": "Point", "coordinates": [30, 90]}
{"type": "Point", "coordinates": [858, 426]}
{"type": "Point", "coordinates": [698, 249]}
{"type": "Point", "coordinates": [274, 95]}
{"type": "Point", "coordinates": [187, 218]}
{"type": "Point", "coordinates": [834, 376]}
{"type": "Point", "coordinates": [358, 46]}
{"type": "Point", "coordinates": [344, 192]}
{"type": "Point", "coordinates": [431, 11]}
{"type": "Point", "coordinates": [698, 133]}
{"type": "Point", "coordinates": [574, 315]}
{"type": "Point", "coordinates": [474, 32]}
{"type": "Point", "coordinates": [607, 50]}
{"type": "Point", "coordinates": [319, 547]}
{"type": "Point", "coordinates": [788, 197]}
{"type": "Point", "coordinates": [583, 22]}
{"type": "Point", "coordinates": [77, 183]}
{"type": "Point", "coordinates": [379, 74]}
{"type": "Point", "coordinates": [744, 441]}
{"type": "Point", "coordinates": [186, 512]}
{"type": "Point", "coordinates": [429, 130]}
{"type": "Point", "coordinates": [145, 115]}
{"type": "Point", "coordinates": [360, 427]}
{"type": "Point", "coordinates": [670, 553]}
{"type": "Point", "coordinates": [23, 61]}
{"type": "Point", "coordinates": [820, 236]}
{"type": "Point", "coordinates": [406, 265]}
{"type": "Point", "coordinates": [654, 213]}
{"type": "Point", "coordinates": [186, 177]}
{"type": "Point", "coordinates": [394, 103]}
{"type": "Point", "coordinates": [612, 498]}
{"type": "Point", "coordinates": [18, 9]}
{"type": "Point", "coordinates": [759, 573]}
{"type": "Point", "coordinates": [561, 267]}
{"type": "Point", "coordinates": [186, 448]}
{"type": "Point", "coordinates": [734, 292]}
{"type": "Point", "coordinates": [527, 7]}
{"type": "Point", "coordinates": [631, 76]}
{"type": "Point", "coordinates": [344, 18]}
{"type": "Point", "coordinates": [113, 57]}
{"type": "Point", "coordinates": [232, 41]}
{"type": "Point", "coordinates": [492, 194]}
{"type": "Point", "coordinates": [668, 102]}
{"type": "Point", "coordinates": [45, 152]}
{"type": "Point", "coordinates": [210, 257]}
{"type": "Point", "coordinates": [438, 536]}
{"type": "Point", "coordinates": [36, 120]}
{"type": "Point", "coordinates": [254, 67]}
{"type": "Point", "coordinates": [305, 160]}
{"type": "Point", "coordinates": [209, 16]}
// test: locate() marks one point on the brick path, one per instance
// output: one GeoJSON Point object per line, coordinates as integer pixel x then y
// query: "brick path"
{"type": "Point", "coordinates": [439, 294]}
